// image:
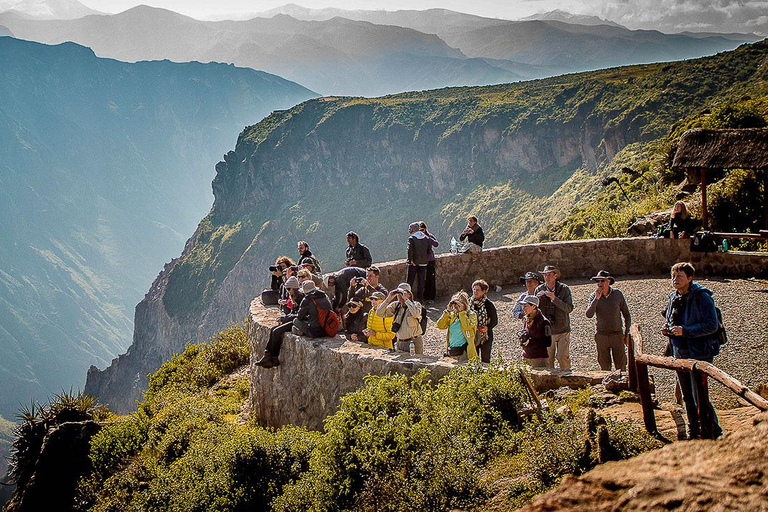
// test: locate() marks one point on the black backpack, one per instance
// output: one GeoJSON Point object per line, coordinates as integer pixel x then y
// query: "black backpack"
{"type": "Point", "coordinates": [703, 241]}
{"type": "Point", "coordinates": [722, 336]}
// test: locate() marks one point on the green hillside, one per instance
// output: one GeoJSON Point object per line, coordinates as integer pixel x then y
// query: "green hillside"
{"type": "Point", "coordinates": [520, 156]}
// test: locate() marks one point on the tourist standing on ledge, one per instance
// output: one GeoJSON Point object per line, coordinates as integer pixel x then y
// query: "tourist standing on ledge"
{"type": "Point", "coordinates": [378, 330]}
{"type": "Point", "coordinates": [406, 318]}
{"type": "Point", "coordinates": [535, 335]}
{"type": "Point", "coordinates": [418, 258]}
{"type": "Point", "coordinates": [609, 305]}
{"type": "Point", "coordinates": [430, 284]}
{"type": "Point", "coordinates": [358, 255]}
{"type": "Point", "coordinates": [306, 254]}
{"type": "Point", "coordinates": [487, 319]}
{"type": "Point", "coordinates": [556, 304]}
{"type": "Point", "coordinates": [460, 322]}
{"type": "Point", "coordinates": [531, 280]}
{"type": "Point", "coordinates": [693, 327]}
{"type": "Point", "coordinates": [474, 235]}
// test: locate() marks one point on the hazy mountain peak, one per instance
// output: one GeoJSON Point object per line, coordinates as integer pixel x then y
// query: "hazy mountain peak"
{"type": "Point", "coordinates": [569, 17]}
{"type": "Point", "coordinates": [48, 9]}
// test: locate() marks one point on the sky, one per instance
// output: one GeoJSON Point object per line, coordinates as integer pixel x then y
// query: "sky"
{"type": "Point", "coordinates": [665, 15]}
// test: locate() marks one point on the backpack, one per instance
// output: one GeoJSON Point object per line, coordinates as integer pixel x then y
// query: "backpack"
{"type": "Point", "coordinates": [269, 297]}
{"type": "Point", "coordinates": [328, 319]}
{"type": "Point", "coordinates": [703, 241]}
{"type": "Point", "coordinates": [722, 336]}
{"type": "Point", "coordinates": [424, 320]}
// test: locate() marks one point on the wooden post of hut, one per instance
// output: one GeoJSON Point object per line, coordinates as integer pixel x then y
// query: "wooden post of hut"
{"type": "Point", "coordinates": [701, 150]}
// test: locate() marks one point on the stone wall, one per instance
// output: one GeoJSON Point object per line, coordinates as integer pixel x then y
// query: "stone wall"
{"type": "Point", "coordinates": [580, 259]}
{"type": "Point", "coordinates": [315, 373]}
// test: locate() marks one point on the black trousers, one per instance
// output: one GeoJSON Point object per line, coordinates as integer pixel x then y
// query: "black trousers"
{"type": "Point", "coordinates": [419, 274]}
{"type": "Point", "coordinates": [702, 419]}
{"type": "Point", "coordinates": [276, 338]}
{"type": "Point", "coordinates": [430, 285]}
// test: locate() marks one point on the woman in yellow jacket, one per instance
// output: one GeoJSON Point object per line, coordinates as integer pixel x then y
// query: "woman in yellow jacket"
{"type": "Point", "coordinates": [378, 330]}
{"type": "Point", "coordinates": [461, 325]}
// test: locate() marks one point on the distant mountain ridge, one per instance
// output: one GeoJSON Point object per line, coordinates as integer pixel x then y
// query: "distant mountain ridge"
{"type": "Point", "coordinates": [48, 9]}
{"type": "Point", "coordinates": [372, 53]}
{"type": "Point", "coordinates": [567, 17]}
{"type": "Point", "coordinates": [105, 166]}
{"type": "Point", "coordinates": [517, 155]}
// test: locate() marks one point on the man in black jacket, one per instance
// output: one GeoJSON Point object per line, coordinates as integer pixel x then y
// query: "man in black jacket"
{"type": "Point", "coordinates": [306, 254]}
{"type": "Point", "coordinates": [418, 258]}
{"type": "Point", "coordinates": [358, 255]}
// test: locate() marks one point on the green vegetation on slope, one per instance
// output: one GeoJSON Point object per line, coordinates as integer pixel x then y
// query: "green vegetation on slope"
{"type": "Point", "coordinates": [735, 197]}
{"type": "Point", "coordinates": [527, 157]}
{"type": "Point", "coordinates": [396, 444]}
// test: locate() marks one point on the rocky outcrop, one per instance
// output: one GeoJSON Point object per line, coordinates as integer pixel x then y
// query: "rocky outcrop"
{"type": "Point", "coordinates": [700, 476]}
{"type": "Point", "coordinates": [62, 461]}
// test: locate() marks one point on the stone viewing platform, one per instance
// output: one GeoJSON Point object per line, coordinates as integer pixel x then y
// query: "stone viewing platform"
{"type": "Point", "coordinates": [315, 373]}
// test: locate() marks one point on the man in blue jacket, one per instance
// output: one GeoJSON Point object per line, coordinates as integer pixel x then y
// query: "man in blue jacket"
{"type": "Point", "coordinates": [692, 328]}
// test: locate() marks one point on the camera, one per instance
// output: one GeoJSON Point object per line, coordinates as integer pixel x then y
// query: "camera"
{"type": "Point", "coordinates": [395, 326]}
{"type": "Point", "coordinates": [275, 268]}
{"type": "Point", "coordinates": [524, 338]}
{"type": "Point", "coordinates": [358, 280]}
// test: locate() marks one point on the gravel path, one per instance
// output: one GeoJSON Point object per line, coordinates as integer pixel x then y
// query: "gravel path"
{"type": "Point", "coordinates": [745, 313]}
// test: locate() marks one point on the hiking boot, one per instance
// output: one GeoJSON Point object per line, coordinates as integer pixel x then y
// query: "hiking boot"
{"type": "Point", "coordinates": [267, 361]}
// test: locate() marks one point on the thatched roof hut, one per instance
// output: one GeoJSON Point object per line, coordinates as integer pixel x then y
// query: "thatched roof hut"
{"type": "Point", "coordinates": [723, 149]}
{"type": "Point", "coordinates": [701, 150]}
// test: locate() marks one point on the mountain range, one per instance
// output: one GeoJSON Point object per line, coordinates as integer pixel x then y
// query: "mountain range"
{"type": "Point", "coordinates": [517, 155]}
{"type": "Point", "coordinates": [371, 53]}
{"type": "Point", "coordinates": [47, 9]}
{"type": "Point", "coordinates": [106, 168]}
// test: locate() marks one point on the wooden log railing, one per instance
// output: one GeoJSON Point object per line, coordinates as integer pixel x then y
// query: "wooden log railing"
{"type": "Point", "coordinates": [642, 381]}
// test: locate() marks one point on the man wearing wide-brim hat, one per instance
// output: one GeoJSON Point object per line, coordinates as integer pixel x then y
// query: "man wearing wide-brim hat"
{"type": "Point", "coordinates": [609, 305]}
{"type": "Point", "coordinates": [556, 303]}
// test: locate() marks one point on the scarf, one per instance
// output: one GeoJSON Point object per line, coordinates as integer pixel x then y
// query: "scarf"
{"type": "Point", "coordinates": [478, 305]}
{"type": "Point", "coordinates": [530, 318]}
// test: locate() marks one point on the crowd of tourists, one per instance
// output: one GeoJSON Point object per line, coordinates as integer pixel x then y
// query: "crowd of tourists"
{"type": "Point", "coordinates": [354, 302]}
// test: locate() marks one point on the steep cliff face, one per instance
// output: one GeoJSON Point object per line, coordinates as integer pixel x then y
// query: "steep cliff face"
{"type": "Point", "coordinates": [517, 156]}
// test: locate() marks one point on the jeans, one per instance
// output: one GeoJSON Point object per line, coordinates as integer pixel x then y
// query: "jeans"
{"type": "Point", "coordinates": [276, 338]}
{"type": "Point", "coordinates": [702, 419]}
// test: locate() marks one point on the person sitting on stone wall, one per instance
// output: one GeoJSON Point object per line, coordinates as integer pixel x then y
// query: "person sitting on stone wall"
{"type": "Point", "coordinates": [609, 305]}
{"type": "Point", "coordinates": [285, 324]}
{"type": "Point", "coordinates": [487, 319]}
{"type": "Point", "coordinates": [556, 304]}
{"type": "Point", "coordinates": [406, 318]}
{"type": "Point", "coordinates": [361, 288]}
{"type": "Point", "coordinates": [358, 255]}
{"type": "Point", "coordinates": [278, 270]}
{"type": "Point", "coordinates": [308, 264]}
{"type": "Point", "coordinates": [681, 224]}
{"type": "Point", "coordinates": [290, 305]}
{"type": "Point", "coordinates": [378, 330]}
{"type": "Point", "coordinates": [354, 320]}
{"type": "Point", "coordinates": [460, 323]}
{"type": "Point", "coordinates": [474, 235]}
{"type": "Point", "coordinates": [307, 322]}
{"type": "Point", "coordinates": [531, 280]}
{"type": "Point", "coordinates": [305, 253]}
{"type": "Point", "coordinates": [535, 334]}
